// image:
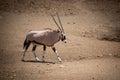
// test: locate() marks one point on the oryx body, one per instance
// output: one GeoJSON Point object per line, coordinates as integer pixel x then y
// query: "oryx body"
{"type": "Point", "coordinates": [46, 38]}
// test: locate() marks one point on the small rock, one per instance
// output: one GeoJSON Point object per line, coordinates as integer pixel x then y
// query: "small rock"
{"type": "Point", "coordinates": [93, 78]}
{"type": "Point", "coordinates": [13, 71]}
{"type": "Point", "coordinates": [11, 77]}
{"type": "Point", "coordinates": [62, 66]}
{"type": "Point", "coordinates": [14, 75]}
{"type": "Point", "coordinates": [110, 54]}
{"type": "Point", "coordinates": [73, 22]}
{"type": "Point", "coordinates": [48, 63]}
{"type": "Point", "coordinates": [68, 23]}
{"type": "Point", "coordinates": [69, 9]}
{"type": "Point", "coordinates": [100, 55]}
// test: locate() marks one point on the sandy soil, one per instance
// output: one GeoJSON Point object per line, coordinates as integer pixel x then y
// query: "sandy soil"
{"type": "Point", "coordinates": [93, 33]}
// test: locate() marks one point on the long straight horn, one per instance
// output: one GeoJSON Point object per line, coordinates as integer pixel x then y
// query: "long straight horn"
{"type": "Point", "coordinates": [56, 22]}
{"type": "Point", "coordinates": [60, 22]}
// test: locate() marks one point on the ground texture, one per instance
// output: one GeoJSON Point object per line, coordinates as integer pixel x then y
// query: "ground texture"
{"type": "Point", "coordinates": [93, 33]}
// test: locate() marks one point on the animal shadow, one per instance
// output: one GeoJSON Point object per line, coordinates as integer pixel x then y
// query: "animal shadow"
{"type": "Point", "coordinates": [33, 61]}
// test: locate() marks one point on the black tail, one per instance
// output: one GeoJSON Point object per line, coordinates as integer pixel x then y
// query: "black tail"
{"type": "Point", "coordinates": [25, 43]}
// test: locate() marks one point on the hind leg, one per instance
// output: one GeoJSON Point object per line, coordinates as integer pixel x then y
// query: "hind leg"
{"type": "Point", "coordinates": [33, 50]}
{"type": "Point", "coordinates": [26, 47]}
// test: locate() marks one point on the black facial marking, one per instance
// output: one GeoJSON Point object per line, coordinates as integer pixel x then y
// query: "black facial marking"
{"type": "Point", "coordinates": [63, 37]}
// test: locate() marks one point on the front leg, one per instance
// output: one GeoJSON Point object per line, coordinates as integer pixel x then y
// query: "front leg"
{"type": "Point", "coordinates": [44, 49]}
{"type": "Point", "coordinates": [33, 50]}
{"type": "Point", "coordinates": [54, 49]}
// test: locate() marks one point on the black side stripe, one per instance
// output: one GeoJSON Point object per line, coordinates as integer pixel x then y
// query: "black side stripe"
{"type": "Point", "coordinates": [41, 43]}
{"type": "Point", "coordinates": [37, 43]}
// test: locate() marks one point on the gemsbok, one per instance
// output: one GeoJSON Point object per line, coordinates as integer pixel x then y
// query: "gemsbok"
{"type": "Point", "coordinates": [46, 37]}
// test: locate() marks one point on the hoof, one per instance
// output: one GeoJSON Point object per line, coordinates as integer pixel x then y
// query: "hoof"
{"type": "Point", "coordinates": [37, 59]}
{"type": "Point", "coordinates": [60, 60]}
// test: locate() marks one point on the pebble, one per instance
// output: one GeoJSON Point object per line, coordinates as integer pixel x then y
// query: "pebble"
{"type": "Point", "coordinates": [62, 66]}
{"type": "Point", "coordinates": [110, 54]}
{"type": "Point", "coordinates": [13, 71]}
{"type": "Point", "coordinates": [100, 55]}
{"type": "Point", "coordinates": [14, 75]}
{"type": "Point", "coordinates": [93, 78]}
{"type": "Point", "coordinates": [73, 22]}
{"type": "Point", "coordinates": [48, 63]}
{"type": "Point", "coordinates": [11, 77]}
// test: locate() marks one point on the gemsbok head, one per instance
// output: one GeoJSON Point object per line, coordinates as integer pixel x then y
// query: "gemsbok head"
{"type": "Point", "coordinates": [46, 37]}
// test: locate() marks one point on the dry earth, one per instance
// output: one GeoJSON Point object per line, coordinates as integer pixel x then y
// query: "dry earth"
{"type": "Point", "coordinates": [93, 33]}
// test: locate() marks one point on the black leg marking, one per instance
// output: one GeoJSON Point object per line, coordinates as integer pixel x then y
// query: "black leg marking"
{"type": "Point", "coordinates": [54, 49]}
{"type": "Point", "coordinates": [34, 48]}
{"type": "Point", "coordinates": [44, 49]}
